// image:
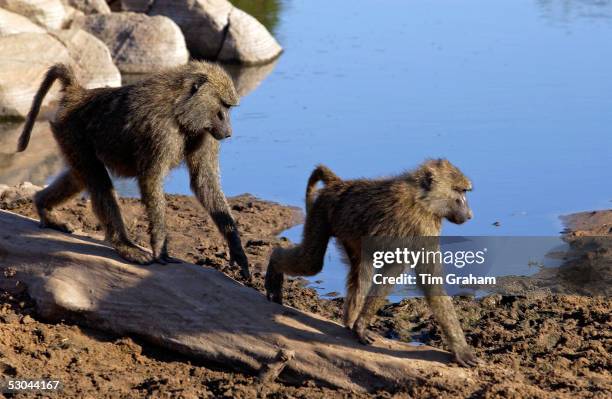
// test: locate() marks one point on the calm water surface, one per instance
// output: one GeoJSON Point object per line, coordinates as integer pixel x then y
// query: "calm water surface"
{"type": "Point", "coordinates": [516, 93]}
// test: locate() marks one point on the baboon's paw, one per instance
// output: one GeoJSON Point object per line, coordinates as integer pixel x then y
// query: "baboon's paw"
{"type": "Point", "coordinates": [278, 298]}
{"type": "Point", "coordinates": [165, 259]}
{"type": "Point", "coordinates": [64, 227]}
{"type": "Point", "coordinates": [465, 357]}
{"type": "Point", "coordinates": [348, 321]}
{"type": "Point", "coordinates": [274, 286]}
{"type": "Point", "coordinates": [349, 325]}
{"type": "Point", "coordinates": [134, 254]}
{"type": "Point", "coordinates": [364, 336]}
{"type": "Point", "coordinates": [238, 257]}
{"type": "Point", "coordinates": [244, 270]}
{"type": "Point", "coordinates": [246, 274]}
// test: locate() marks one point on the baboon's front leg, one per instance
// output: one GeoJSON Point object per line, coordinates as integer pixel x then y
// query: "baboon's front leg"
{"type": "Point", "coordinates": [443, 310]}
{"type": "Point", "coordinates": [152, 193]}
{"type": "Point", "coordinates": [203, 164]}
{"type": "Point", "coordinates": [305, 259]}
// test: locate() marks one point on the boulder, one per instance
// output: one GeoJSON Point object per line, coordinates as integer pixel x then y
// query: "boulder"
{"type": "Point", "coordinates": [27, 56]}
{"type": "Point", "coordinates": [138, 43]}
{"type": "Point", "coordinates": [25, 59]}
{"type": "Point", "coordinates": [11, 23]}
{"type": "Point", "coordinates": [201, 313]}
{"type": "Point", "coordinates": [88, 6]}
{"type": "Point", "coordinates": [215, 29]}
{"type": "Point", "coordinates": [247, 41]}
{"type": "Point", "coordinates": [47, 13]}
{"type": "Point", "coordinates": [202, 22]}
{"type": "Point", "coordinates": [91, 56]}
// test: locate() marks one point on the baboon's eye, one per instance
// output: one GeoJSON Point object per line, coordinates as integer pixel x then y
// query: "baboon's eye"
{"type": "Point", "coordinates": [427, 181]}
{"type": "Point", "coordinates": [198, 83]}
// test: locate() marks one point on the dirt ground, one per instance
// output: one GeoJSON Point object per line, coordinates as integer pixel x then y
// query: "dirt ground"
{"type": "Point", "coordinates": [541, 345]}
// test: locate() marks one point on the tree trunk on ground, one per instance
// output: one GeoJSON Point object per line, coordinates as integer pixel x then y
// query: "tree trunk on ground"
{"type": "Point", "coordinates": [202, 313]}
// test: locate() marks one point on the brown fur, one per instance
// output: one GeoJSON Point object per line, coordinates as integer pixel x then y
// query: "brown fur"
{"type": "Point", "coordinates": [409, 205]}
{"type": "Point", "coordinates": [141, 130]}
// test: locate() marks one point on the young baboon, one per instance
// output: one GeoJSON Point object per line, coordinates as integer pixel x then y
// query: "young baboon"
{"type": "Point", "coordinates": [411, 205]}
{"type": "Point", "coordinates": [141, 130]}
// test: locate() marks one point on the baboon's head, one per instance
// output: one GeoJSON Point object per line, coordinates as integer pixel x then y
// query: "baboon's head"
{"type": "Point", "coordinates": [443, 190]}
{"type": "Point", "coordinates": [207, 94]}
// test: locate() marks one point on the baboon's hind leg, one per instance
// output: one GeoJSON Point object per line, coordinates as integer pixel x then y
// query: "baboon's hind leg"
{"type": "Point", "coordinates": [355, 288]}
{"type": "Point", "coordinates": [62, 189]}
{"type": "Point", "coordinates": [104, 203]}
{"type": "Point", "coordinates": [376, 297]}
{"type": "Point", "coordinates": [305, 259]}
{"type": "Point", "coordinates": [374, 300]}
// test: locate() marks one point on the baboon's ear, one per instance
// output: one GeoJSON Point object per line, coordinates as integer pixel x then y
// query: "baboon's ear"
{"type": "Point", "coordinates": [426, 180]}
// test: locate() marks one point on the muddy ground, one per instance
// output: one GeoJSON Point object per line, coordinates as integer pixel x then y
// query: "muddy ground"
{"type": "Point", "coordinates": [539, 345]}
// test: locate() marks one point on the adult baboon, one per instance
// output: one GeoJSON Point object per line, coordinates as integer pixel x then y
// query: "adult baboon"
{"type": "Point", "coordinates": [411, 205]}
{"type": "Point", "coordinates": [141, 130]}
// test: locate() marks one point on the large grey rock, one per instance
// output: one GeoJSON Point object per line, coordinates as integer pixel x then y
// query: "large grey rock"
{"type": "Point", "coordinates": [138, 43]}
{"type": "Point", "coordinates": [215, 29]}
{"type": "Point", "coordinates": [11, 23]}
{"type": "Point", "coordinates": [47, 13]}
{"type": "Point", "coordinates": [247, 41]}
{"type": "Point", "coordinates": [25, 58]}
{"type": "Point", "coordinates": [202, 22]}
{"type": "Point", "coordinates": [88, 6]}
{"type": "Point", "coordinates": [91, 56]}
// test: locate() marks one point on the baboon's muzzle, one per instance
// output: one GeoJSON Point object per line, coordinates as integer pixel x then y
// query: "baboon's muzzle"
{"type": "Point", "coordinates": [460, 217]}
{"type": "Point", "coordinates": [221, 132]}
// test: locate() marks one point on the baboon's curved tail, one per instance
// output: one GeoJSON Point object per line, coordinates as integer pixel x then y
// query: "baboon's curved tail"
{"type": "Point", "coordinates": [321, 173]}
{"type": "Point", "coordinates": [58, 71]}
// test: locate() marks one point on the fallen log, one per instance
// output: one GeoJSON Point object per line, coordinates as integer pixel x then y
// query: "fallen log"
{"type": "Point", "coordinates": [202, 313]}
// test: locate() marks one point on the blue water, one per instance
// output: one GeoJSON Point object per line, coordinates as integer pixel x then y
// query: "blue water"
{"type": "Point", "coordinates": [518, 94]}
